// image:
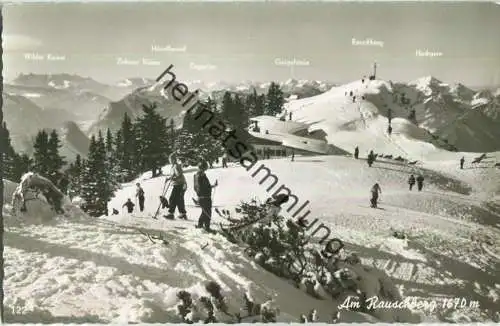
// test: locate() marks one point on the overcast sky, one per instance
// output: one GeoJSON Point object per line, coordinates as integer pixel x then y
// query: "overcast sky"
{"type": "Point", "coordinates": [234, 41]}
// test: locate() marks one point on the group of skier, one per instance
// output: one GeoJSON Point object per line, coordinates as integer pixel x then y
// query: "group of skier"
{"type": "Point", "coordinates": [202, 187]}
{"type": "Point", "coordinates": [419, 180]}
{"type": "Point", "coordinates": [376, 190]}
{"type": "Point", "coordinates": [369, 160]}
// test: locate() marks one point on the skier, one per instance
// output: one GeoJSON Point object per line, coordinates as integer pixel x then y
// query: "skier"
{"type": "Point", "coordinates": [290, 116]}
{"type": "Point", "coordinates": [139, 193]}
{"type": "Point", "coordinates": [130, 205]}
{"type": "Point", "coordinates": [164, 202]}
{"type": "Point", "coordinates": [411, 181]}
{"type": "Point", "coordinates": [350, 93]}
{"type": "Point", "coordinates": [389, 115]}
{"type": "Point", "coordinates": [375, 192]}
{"type": "Point", "coordinates": [178, 190]}
{"type": "Point", "coordinates": [462, 161]}
{"type": "Point", "coordinates": [203, 190]}
{"type": "Point", "coordinates": [371, 158]}
{"type": "Point", "coordinates": [389, 130]}
{"type": "Point", "coordinates": [354, 99]}
{"type": "Point", "coordinates": [420, 182]}
{"type": "Point", "coordinates": [293, 155]}
{"type": "Point", "coordinates": [356, 152]}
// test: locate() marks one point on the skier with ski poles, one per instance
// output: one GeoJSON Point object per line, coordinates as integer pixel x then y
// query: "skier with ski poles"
{"type": "Point", "coordinates": [178, 190]}
{"type": "Point", "coordinates": [375, 191]}
{"type": "Point", "coordinates": [139, 194]}
{"type": "Point", "coordinates": [203, 190]}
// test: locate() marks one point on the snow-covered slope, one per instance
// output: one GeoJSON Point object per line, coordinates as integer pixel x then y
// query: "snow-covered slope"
{"type": "Point", "coordinates": [444, 117]}
{"type": "Point", "coordinates": [79, 269]}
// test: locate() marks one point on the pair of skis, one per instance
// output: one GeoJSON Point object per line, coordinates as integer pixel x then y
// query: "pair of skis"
{"type": "Point", "coordinates": [157, 239]}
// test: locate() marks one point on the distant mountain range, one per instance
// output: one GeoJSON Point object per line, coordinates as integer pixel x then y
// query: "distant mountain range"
{"type": "Point", "coordinates": [80, 106]}
{"type": "Point", "coordinates": [447, 116]}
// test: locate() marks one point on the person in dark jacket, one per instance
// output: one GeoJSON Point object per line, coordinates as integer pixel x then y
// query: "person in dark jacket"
{"type": "Point", "coordinates": [376, 190]}
{"type": "Point", "coordinates": [462, 161]}
{"type": "Point", "coordinates": [420, 182]}
{"type": "Point", "coordinates": [140, 195]}
{"type": "Point", "coordinates": [356, 152]}
{"type": "Point", "coordinates": [411, 181]}
{"type": "Point", "coordinates": [370, 159]}
{"type": "Point", "coordinates": [130, 205]}
{"type": "Point", "coordinates": [203, 190]}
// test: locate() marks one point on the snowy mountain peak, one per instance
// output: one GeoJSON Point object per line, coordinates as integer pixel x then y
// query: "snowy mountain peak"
{"type": "Point", "coordinates": [426, 81]}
